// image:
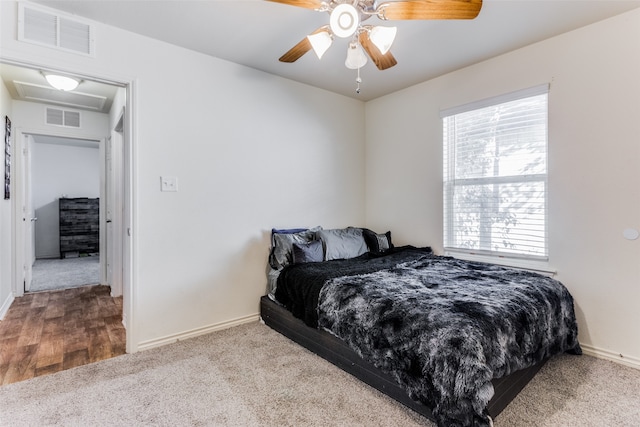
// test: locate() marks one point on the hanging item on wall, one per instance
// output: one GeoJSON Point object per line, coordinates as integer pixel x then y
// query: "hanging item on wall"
{"type": "Point", "coordinates": [7, 158]}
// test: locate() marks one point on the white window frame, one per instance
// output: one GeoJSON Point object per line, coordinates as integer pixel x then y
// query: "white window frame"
{"type": "Point", "coordinates": [530, 262]}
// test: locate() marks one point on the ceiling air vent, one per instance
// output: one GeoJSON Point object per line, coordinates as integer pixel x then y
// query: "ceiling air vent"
{"type": "Point", "coordinates": [64, 118]}
{"type": "Point", "coordinates": [44, 27]}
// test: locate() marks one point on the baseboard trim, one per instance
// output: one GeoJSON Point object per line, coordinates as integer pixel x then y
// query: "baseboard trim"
{"type": "Point", "coordinates": [48, 256]}
{"type": "Point", "coordinates": [169, 339]}
{"type": "Point", "coordinates": [5, 306]}
{"type": "Point", "coordinates": [600, 353]}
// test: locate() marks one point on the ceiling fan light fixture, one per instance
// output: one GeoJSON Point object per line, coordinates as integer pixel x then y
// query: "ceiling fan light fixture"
{"type": "Point", "coordinates": [344, 20]}
{"type": "Point", "coordinates": [320, 42]}
{"type": "Point", "coordinates": [355, 57]}
{"type": "Point", "coordinates": [63, 83]}
{"type": "Point", "coordinates": [383, 37]}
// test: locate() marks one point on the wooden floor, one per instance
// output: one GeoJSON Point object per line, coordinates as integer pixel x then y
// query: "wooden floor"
{"type": "Point", "coordinates": [46, 332]}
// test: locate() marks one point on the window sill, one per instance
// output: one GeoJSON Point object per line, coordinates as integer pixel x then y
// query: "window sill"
{"type": "Point", "coordinates": [541, 267]}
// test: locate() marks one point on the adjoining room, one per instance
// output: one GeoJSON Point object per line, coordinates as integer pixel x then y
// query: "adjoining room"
{"type": "Point", "coordinates": [65, 187]}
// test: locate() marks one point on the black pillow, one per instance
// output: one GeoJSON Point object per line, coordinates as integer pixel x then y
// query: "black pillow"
{"type": "Point", "coordinates": [308, 252]}
{"type": "Point", "coordinates": [377, 243]}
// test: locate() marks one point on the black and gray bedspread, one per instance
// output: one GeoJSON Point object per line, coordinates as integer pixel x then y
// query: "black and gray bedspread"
{"type": "Point", "coordinates": [444, 328]}
{"type": "Point", "coordinates": [298, 285]}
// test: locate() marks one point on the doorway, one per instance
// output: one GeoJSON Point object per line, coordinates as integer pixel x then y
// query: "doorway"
{"type": "Point", "coordinates": [114, 176]}
{"type": "Point", "coordinates": [63, 194]}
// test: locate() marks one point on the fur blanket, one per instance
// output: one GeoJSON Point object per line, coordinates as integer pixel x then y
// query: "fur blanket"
{"type": "Point", "coordinates": [445, 327]}
{"type": "Point", "coordinates": [299, 285]}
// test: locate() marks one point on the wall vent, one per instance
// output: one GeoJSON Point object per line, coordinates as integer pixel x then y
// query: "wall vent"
{"type": "Point", "coordinates": [48, 28]}
{"type": "Point", "coordinates": [66, 118]}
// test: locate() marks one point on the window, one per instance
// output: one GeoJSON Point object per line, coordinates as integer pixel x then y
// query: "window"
{"type": "Point", "coordinates": [495, 176]}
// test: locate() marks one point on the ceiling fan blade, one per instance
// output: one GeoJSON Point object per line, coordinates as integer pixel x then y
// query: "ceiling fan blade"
{"type": "Point", "coordinates": [429, 9]}
{"type": "Point", "coordinates": [297, 51]}
{"type": "Point", "coordinates": [307, 4]}
{"type": "Point", "coordinates": [301, 48]}
{"type": "Point", "coordinates": [382, 61]}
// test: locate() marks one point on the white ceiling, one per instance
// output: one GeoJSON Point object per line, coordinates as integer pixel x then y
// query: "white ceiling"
{"type": "Point", "coordinates": [256, 33]}
{"type": "Point", "coordinates": [29, 84]}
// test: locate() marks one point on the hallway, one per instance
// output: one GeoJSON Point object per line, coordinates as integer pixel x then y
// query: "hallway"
{"type": "Point", "coordinates": [47, 332]}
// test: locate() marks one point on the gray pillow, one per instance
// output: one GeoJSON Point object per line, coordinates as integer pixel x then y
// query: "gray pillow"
{"type": "Point", "coordinates": [342, 243]}
{"type": "Point", "coordinates": [308, 252]}
{"type": "Point", "coordinates": [281, 252]}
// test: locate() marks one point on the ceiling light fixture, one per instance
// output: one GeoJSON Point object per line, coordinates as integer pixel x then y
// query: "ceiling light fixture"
{"type": "Point", "coordinates": [345, 17]}
{"type": "Point", "coordinates": [344, 20]}
{"type": "Point", "coordinates": [383, 37]}
{"type": "Point", "coordinates": [355, 57]}
{"type": "Point", "coordinates": [63, 83]}
{"type": "Point", "coordinates": [320, 42]}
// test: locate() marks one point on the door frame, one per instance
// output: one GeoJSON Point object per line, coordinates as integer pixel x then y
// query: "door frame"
{"type": "Point", "coordinates": [112, 205]}
{"type": "Point", "coordinates": [22, 178]}
{"type": "Point", "coordinates": [129, 205]}
{"type": "Point", "coordinates": [28, 212]}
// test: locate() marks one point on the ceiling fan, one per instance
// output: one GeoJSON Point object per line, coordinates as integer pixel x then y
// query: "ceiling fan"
{"type": "Point", "coordinates": [345, 21]}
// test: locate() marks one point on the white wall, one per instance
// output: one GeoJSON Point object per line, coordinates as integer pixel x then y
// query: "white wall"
{"type": "Point", "coordinates": [52, 174]}
{"type": "Point", "coordinates": [118, 104]}
{"type": "Point", "coordinates": [251, 151]}
{"type": "Point", "coordinates": [59, 170]}
{"type": "Point", "coordinates": [6, 215]}
{"type": "Point", "coordinates": [31, 118]}
{"type": "Point", "coordinates": [594, 178]}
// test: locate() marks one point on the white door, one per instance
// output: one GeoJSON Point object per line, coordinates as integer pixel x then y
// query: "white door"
{"type": "Point", "coordinates": [28, 214]}
{"type": "Point", "coordinates": [114, 212]}
{"type": "Point", "coordinates": [108, 200]}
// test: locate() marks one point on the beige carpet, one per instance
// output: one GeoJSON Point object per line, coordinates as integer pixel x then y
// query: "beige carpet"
{"type": "Point", "coordinates": [253, 376]}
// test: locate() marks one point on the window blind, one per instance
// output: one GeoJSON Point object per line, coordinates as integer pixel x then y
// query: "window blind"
{"type": "Point", "coordinates": [495, 176]}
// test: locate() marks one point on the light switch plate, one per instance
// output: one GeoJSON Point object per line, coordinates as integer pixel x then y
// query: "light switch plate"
{"type": "Point", "coordinates": [168, 183]}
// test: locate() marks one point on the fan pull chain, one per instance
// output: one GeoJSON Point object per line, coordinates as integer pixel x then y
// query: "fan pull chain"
{"type": "Point", "coordinates": [358, 81]}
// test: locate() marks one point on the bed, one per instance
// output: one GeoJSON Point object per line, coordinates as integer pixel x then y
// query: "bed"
{"type": "Point", "coordinates": [454, 340]}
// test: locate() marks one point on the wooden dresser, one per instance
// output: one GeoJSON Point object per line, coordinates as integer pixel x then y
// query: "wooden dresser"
{"type": "Point", "coordinates": [79, 226]}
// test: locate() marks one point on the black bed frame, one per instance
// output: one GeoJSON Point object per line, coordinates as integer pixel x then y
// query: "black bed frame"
{"type": "Point", "coordinates": [337, 352]}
